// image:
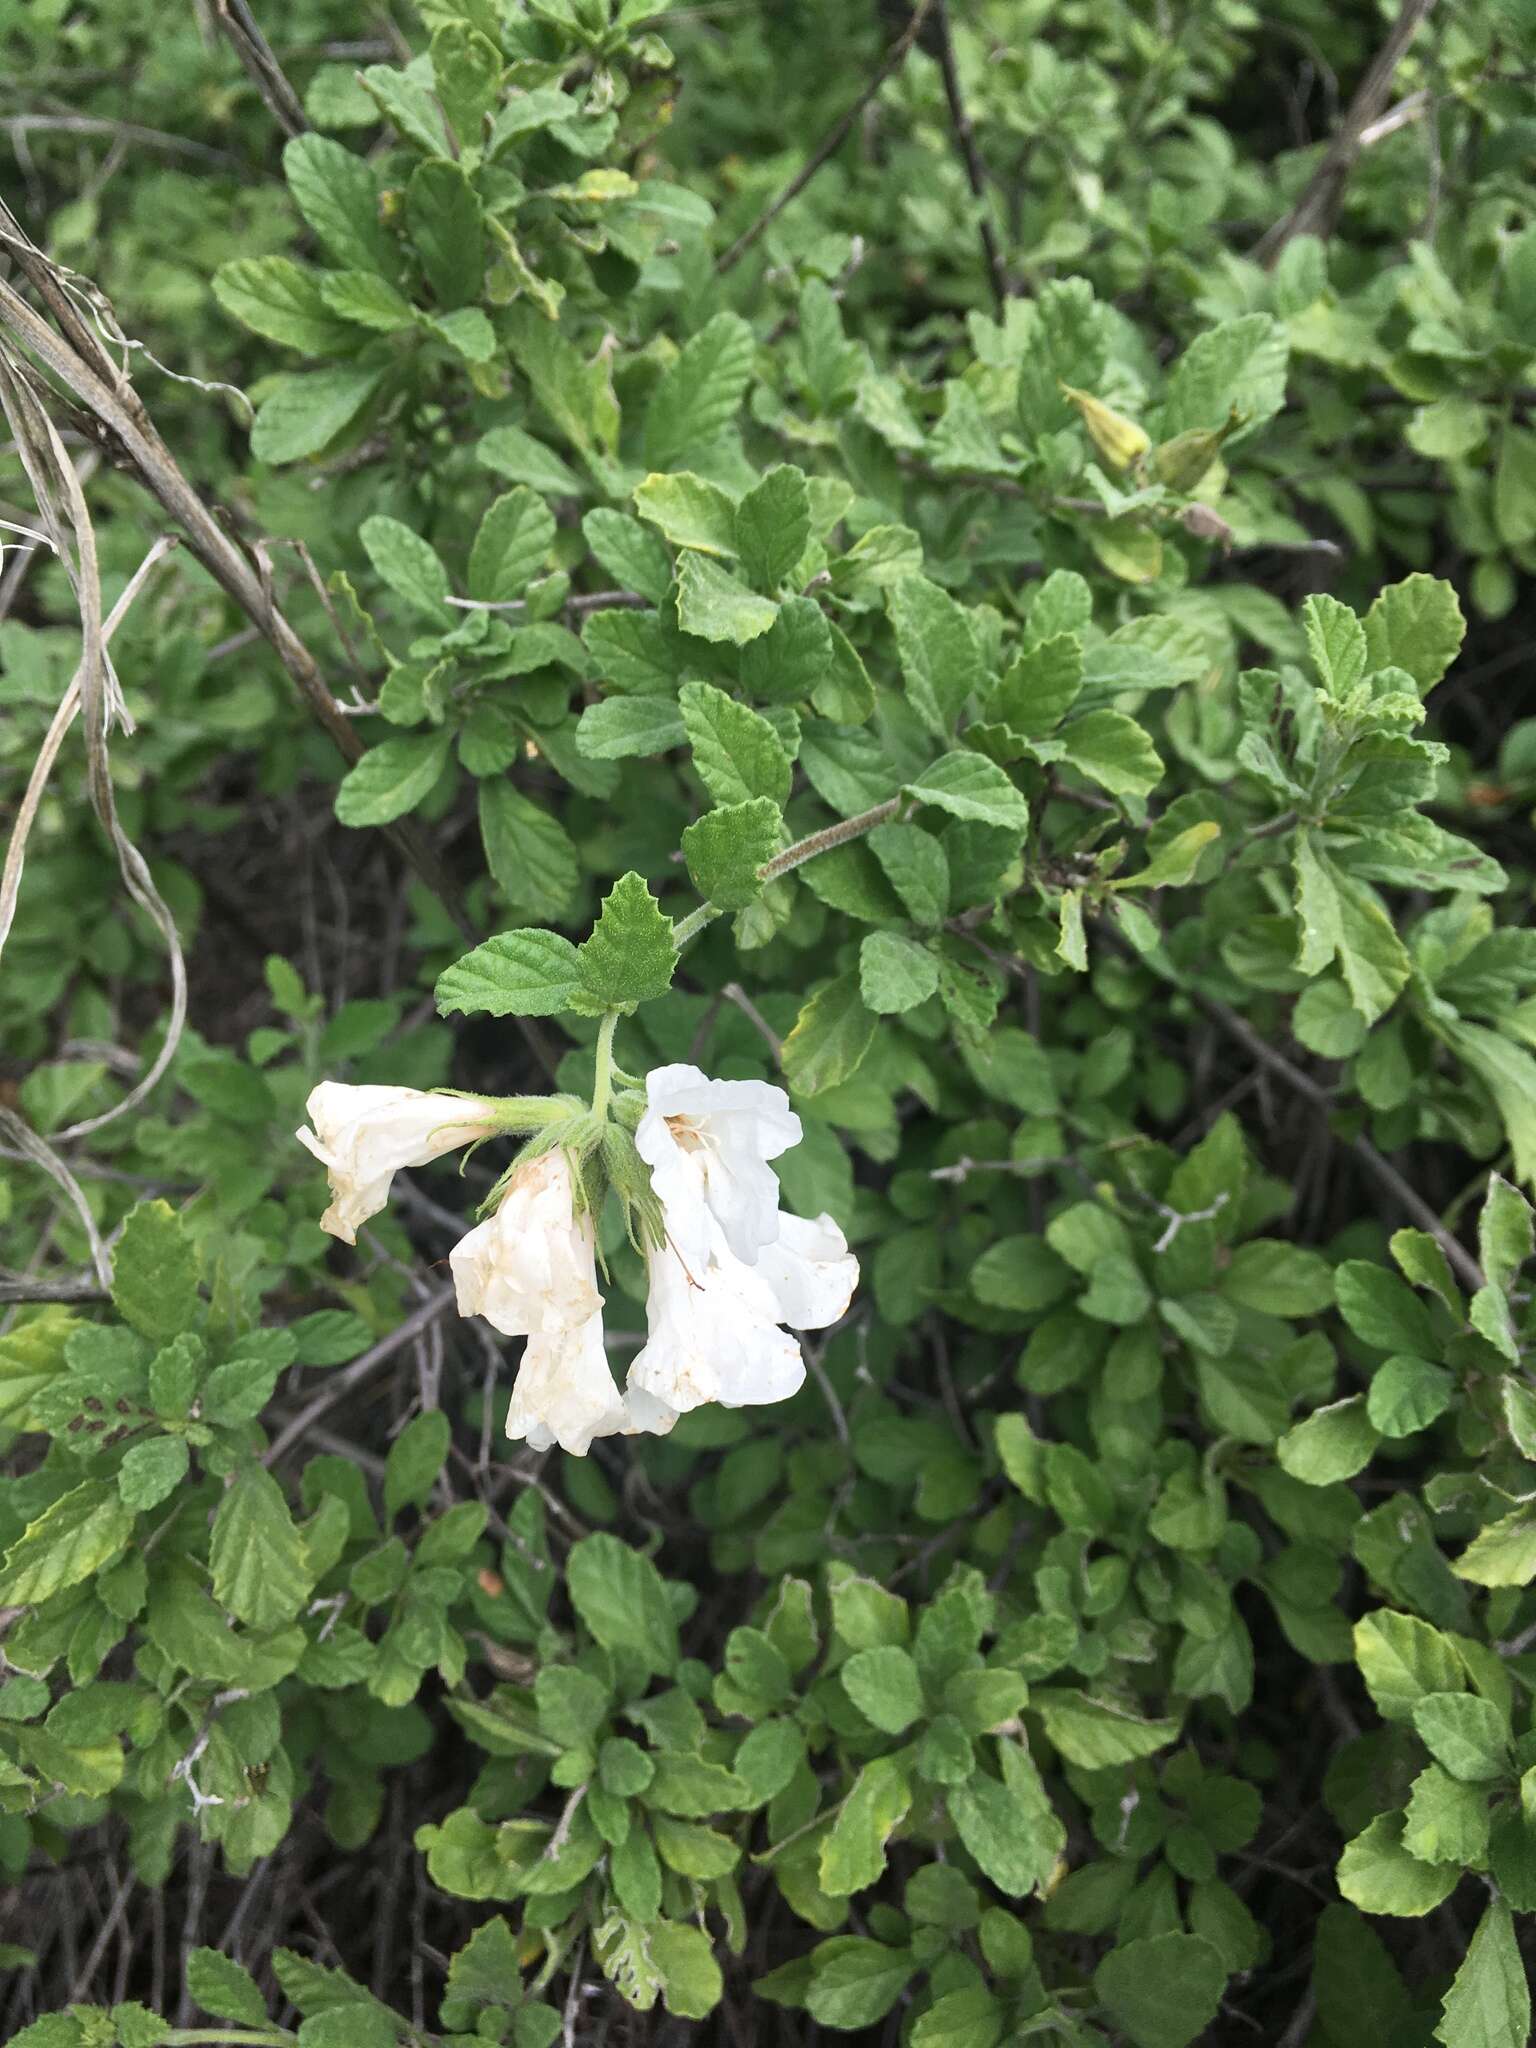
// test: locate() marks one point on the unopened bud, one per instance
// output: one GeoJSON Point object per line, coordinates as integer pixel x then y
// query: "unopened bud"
{"type": "Point", "coordinates": [1183, 461]}
{"type": "Point", "coordinates": [1119, 440]}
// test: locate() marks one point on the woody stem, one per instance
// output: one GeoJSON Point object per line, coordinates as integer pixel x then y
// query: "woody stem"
{"type": "Point", "coordinates": [793, 857]}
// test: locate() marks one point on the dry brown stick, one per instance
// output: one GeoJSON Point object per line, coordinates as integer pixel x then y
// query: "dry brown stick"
{"type": "Point", "coordinates": [265, 73]}
{"type": "Point", "coordinates": [831, 142]}
{"type": "Point", "coordinates": [119, 414]}
{"type": "Point", "coordinates": [1380, 1168]}
{"type": "Point", "coordinates": [1314, 209]}
{"type": "Point", "coordinates": [340, 1384]}
{"type": "Point", "coordinates": [965, 135]}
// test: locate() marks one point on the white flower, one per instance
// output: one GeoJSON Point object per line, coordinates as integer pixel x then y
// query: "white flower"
{"type": "Point", "coordinates": [708, 1144]}
{"type": "Point", "coordinates": [530, 1269]}
{"type": "Point", "coordinates": [564, 1393]}
{"type": "Point", "coordinates": [810, 1270]}
{"type": "Point", "coordinates": [713, 1336]}
{"type": "Point", "coordinates": [363, 1135]}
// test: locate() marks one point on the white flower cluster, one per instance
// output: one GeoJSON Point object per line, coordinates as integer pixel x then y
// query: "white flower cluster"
{"type": "Point", "coordinates": [731, 1277]}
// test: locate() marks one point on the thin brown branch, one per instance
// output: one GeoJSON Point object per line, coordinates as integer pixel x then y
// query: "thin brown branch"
{"type": "Point", "coordinates": [830, 143]}
{"type": "Point", "coordinates": [965, 136]}
{"type": "Point", "coordinates": [1314, 210]}
{"type": "Point", "coordinates": [261, 66]}
{"type": "Point", "coordinates": [340, 1384]}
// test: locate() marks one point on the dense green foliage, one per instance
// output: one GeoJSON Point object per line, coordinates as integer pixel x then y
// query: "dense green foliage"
{"type": "Point", "coordinates": [1037, 677]}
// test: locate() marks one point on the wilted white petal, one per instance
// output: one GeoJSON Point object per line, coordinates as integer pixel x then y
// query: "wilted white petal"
{"type": "Point", "coordinates": [564, 1393]}
{"type": "Point", "coordinates": [647, 1416]}
{"type": "Point", "coordinates": [363, 1136]}
{"type": "Point", "coordinates": [530, 1268]}
{"type": "Point", "coordinates": [708, 1144]}
{"type": "Point", "coordinates": [811, 1271]}
{"type": "Point", "coordinates": [713, 1336]}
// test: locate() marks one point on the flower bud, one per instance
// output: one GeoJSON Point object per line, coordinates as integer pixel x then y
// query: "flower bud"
{"type": "Point", "coordinates": [1119, 440]}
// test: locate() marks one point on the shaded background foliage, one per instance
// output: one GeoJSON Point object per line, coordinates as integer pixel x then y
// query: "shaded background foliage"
{"type": "Point", "coordinates": [1052, 1121]}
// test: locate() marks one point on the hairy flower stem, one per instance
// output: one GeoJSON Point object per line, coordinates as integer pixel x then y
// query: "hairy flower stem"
{"type": "Point", "coordinates": [793, 857]}
{"type": "Point", "coordinates": [602, 1086]}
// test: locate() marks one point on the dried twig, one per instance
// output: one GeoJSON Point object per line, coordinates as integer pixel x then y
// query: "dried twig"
{"type": "Point", "coordinates": [965, 136]}
{"type": "Point", "coordinates": [82, 1287]}
{"type": "Point", "coordinates": [238, 24]}
{"type": "Point", "coordinates": [340, 1384]}
{"type": "Point", "coordinates": [830, 143]}
{"type": "Point", "coordinates": [1314, 210]}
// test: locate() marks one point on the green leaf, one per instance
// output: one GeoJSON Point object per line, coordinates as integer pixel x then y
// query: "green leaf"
{"type": "Point", "coordinates": [725, 848]}
{"type": "Point", "coordinates": [1381, 1310]}
{"type": "Point", "coordinates": [967, 786]}
{"type": "Point", "coordinates": [700, 394]}
{"type": "Point", "coordinates": [260, 1569]}
{"type": "Point", "coordinates": [738, 754]}
{"type": "Point", "coordinates": [303, 414]}
{"type": "Point", "coordinates": [1504, 1233]}
{"type": "Point", "coordinates": [1403, 1659]}
{"type": "Point", "coordinates": [1174, 864]}
{"type": "Point", "coordinates": [408, 564]}
{"type": "Point", "coordinates": [1113, 751]}
{"type": "Point", "coordinates": [689, 511]}
{"type": "Point", "coordinates": [515, 454]}
{"type": "Point", "coordinates": [620, 1596]}
{"type": "Point", "coordinates": [853, 1853]}
{"type": "Point", "coordinates": [1238, 366]}
{"type": "Point", "coordinates": [528, 850]}
{"type": "Point", "coordinates": [407, 103]}
{"type": "Point", "coordinates": [280, 299]}
{"type": "Point", "coordinates": [1446, 1821]}
{"type": "Point", "coordinates": [1163, 1990]}
{"type": "Point", "coordinates": [691, 1984]}
{"type": "Point", "coordinates": [883, 1684]}
{"type": "Point", "coordinates": [855, 1981]}
{"type": "Point", "coordinates": [1377, 1874]}
{"type": "Point", "coordinates": [516, 974]}
{"type": "Point", "coordinates": [415, 1459]}
{"type": "Point", "coordinates": [773, 525]}
{"type": "Point", "coordinates": [68, 1542]}
{"type": "Point", "coordinates": [895, 973]}
{"type": "Point", "coordinates": [971, 2018]}
{"type": "Point", "coordinates": [630, 957]}
{"type": "Point", "coordinates": [1465, 1733]}
{"type": "Point", "coordinates": [917, 868]}
{"type": "Point", "coordinates": [1415, 625]}
{"type": "Point", "coordinates": [336, 192]}
{"type": "Point", "coordinates": [1008, 1825]}
{"type": "Point", "coordinates": [1408, 1394]}
{"type": "Point", "coordinates": [1489, 2004]}
{"type": "Point", "coordinates": [1336, 643]}
{"type": "Point", "coordinates": [713, 605]}
{"type": "Point", "coordinates": [154, 1272]}
{"type": "Point", "coordinates": [1503, 1554]}
{"type": "Point", "coordinates": [223, 1988]}
{"type": "Point", "coordinates": [1094, 1734]}
{"type": "Point", "coordinates": [514, 537]}
{"type": "Point", "coordinates": [366, 300]}
{"type": "Point", "coordinates": [621, 727]}
{"type": "Point", "coordinates": [636, 558]}
{"type": "Point", "coordinates": [1372, 958]}
{"type": "Point", "coordinates": [152, 1471]}
{"type": "Point", "coordinates": [941, 658]}
{"type": "Point", "coordinates": [793, 661]}
{"type": "Point", "coordinates": [831, 1035]}
{"type": "Point", "coordinates": [1331, 1444]}
{"type": "Point", "coordinates": [466, 68]}
{"type": "Point", "coordinates": [391, 779]}
{"type": "Point", "coordinates": [1040, 687]}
